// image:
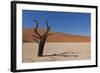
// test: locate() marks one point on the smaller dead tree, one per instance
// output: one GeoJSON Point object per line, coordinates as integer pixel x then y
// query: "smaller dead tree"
{"type": "Point", "coordinates": [41, 38]}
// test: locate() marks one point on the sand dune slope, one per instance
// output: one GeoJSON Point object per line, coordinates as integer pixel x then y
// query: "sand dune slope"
{"type": "Point", "coordinates": [56, 37]}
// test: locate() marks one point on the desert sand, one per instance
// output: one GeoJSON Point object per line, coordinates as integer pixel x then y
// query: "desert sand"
{"type": "Point", "coordinates": [56, 52]}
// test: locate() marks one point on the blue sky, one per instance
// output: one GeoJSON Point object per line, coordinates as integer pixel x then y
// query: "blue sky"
{"type": "Point", "coordinates": [66, 22]}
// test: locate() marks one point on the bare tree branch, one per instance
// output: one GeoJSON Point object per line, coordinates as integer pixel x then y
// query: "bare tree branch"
{"type": "Point", "coordinates": [48, 28]}
{"type": "Point", "coordinates": [36, 28]}
{"type": "Point", "coordinates": [49, 34]}
{"type": "Point", "coordinates": [35, 36]}
{"type": "Point", "coordinates": [47, 23]}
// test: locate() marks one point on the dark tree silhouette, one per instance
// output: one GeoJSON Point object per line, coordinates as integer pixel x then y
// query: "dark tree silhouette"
{"type": "Point", "coordinates": [41, 38]}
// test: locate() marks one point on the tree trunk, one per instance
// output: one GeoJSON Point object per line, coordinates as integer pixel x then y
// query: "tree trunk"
{"type": "Point", "coordinates": [41, 38]}
{"type": "Point", "coordinates": [41, 46]}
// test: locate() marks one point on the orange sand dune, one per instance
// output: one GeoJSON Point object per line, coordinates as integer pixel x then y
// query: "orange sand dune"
{"type": "Point", "coordinates": [56, 37]}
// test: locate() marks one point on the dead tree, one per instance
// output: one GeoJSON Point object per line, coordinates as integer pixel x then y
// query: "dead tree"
{"type": "Point", "coordinates": [41, 38]}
